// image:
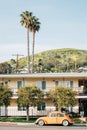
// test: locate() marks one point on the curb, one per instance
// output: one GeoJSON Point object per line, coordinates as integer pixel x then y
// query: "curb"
{"type": "Point", "coordinates": [14, 124]}
{"type": "Point", "coordinates": [28, 124]}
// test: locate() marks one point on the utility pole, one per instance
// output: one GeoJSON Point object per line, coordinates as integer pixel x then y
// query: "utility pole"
{"type": "Point", "coordinates": [17, 58]}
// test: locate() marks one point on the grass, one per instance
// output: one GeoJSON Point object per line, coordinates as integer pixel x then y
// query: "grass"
{"type": "Point", "coordinates": [31, 120]}
{"type": "Point", "coordinates": [17, 119]}
{"type": "Point", "coordinates": [78, 121]}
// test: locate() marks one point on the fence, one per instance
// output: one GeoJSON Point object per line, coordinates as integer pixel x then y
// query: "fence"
{"type": "Point", "coordinates": [13, 111]}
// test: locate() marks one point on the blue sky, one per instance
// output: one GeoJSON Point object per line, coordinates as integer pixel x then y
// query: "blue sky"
{"type": "Point", "coordinates": [63, 25]}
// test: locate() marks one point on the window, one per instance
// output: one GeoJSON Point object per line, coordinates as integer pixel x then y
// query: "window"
{"type": "Point", "coordinates": [67, 83]}
{"type": "Point", "coordinates": [60, 115]}
{"type": "Point", "coordinates": [61, 83]}
{"type": "Point", "coordinates": [56, 83]}
{"type": "Point", "coordinates": [41, 107]}
{"type": "Point", "coordinates": [20, 84]}
{"type": "Point", "coordinates": [54, 115]}
{"type": "Point", "coordinates": [71, 83]}
{"type": "Point", "coordinates": [41, 85]}
{"type": "Point", "coordinates": [64, 83]}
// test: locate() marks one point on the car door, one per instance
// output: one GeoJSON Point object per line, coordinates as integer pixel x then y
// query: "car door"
{"type": "Point", "coordinates": [52, 118]}
{"type": "Point", "coordinates": [60, 118]}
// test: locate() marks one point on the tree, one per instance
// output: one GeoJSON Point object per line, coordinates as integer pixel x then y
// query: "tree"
{"type": "Point", "coordinates": [34, 28]}
{"type": "Point", "coordinates": [1, 99]}
{"type": "Point", "coordinates": [29, 96]}
{"type": "Point", "coordinates": [7, 94]}
{"type": "Point", "coordinates": [75, 59]}
{"type": "Point", "coordinates": [26, 21]}
{"type": "Point", "coordinates": [5, 68]}
{"type": "Point", "coordinates": [40, 65]}
{"type": "Point", "coordinates": [1, 94]}
{"type": "Point", "coordinates": [5, 97]}
{"type": "Point", "coordinates": [62, 97]}
{"type": "Point", "coordinates": [13, 65]}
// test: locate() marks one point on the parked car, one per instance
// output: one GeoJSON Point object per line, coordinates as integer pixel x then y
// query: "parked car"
{"type": "Point", "coordinates": [55, 117]}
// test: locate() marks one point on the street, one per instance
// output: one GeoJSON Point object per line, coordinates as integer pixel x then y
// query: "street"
{"type": "Point", "coordinates": [34, 127]}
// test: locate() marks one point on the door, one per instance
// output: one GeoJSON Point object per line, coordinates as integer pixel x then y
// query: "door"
{"type": "Point", "coordinates": [52, 118]}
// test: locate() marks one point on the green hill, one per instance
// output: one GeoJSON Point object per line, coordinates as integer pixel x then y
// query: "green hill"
{"type": "Point", "coordinates": [57, 60]}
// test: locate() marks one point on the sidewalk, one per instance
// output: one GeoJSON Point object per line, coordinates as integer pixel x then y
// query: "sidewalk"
{"type": "Point", "coordinates": [28, 124]}
{"type": "Point", "coordinates": [14, 123]}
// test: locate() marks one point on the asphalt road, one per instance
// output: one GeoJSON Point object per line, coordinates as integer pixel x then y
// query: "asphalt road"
{"type": "Point", "coordinates": [34, 127]}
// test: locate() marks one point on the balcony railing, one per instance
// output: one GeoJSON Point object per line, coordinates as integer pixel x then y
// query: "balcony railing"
{"type": "Point", "coordinates": [79, 91]}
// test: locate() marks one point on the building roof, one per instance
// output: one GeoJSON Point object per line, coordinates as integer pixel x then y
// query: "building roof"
{"type": "Point", "coordinates": [46, 75]}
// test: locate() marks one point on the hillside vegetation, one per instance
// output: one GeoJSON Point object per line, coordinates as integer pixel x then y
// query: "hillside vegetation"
{"type": "Point", "coordinates": [62, 60]}
{"type": "Point", "coordinates": [57, 60]}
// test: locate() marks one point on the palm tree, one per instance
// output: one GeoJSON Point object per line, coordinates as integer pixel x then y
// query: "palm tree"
{"type": "Point", "coordinates": [26, 21]}
{"type": "Point", "coordinates": [34, 28]}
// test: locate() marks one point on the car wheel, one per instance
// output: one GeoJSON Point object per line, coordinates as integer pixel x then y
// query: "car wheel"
{"type": "Point", "coordinates": [41, 122]}
{"type": "Point", "coordinates": [65, 123]}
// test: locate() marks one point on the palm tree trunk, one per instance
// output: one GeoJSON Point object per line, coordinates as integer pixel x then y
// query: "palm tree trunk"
{"type": "Point", "coordinates": [28, 51]}
{"type": "Point", "coordinates": [33, 44]}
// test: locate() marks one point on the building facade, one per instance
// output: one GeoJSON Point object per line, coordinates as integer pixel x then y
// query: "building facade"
{"type": "Point", "coordinates": [45, 81]}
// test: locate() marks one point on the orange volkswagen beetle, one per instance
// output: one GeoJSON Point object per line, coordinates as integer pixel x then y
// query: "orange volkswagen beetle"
{"type": "Point", "coordinates": [55, 117]}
